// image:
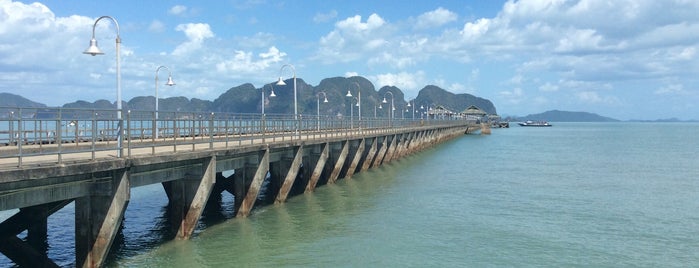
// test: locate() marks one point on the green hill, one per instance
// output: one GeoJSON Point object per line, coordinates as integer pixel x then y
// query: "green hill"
{"type": "Point", "coordinates": [565, 116]}
{"type": "Point", "coordinates": [246, 98]}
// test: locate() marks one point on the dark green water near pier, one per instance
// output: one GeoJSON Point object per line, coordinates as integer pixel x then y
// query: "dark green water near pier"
{"type": "Point", "coordinates": [573, 195]}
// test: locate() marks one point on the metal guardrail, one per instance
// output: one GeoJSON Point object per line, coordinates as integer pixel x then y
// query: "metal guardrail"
{"type": "Point", "coordinates": [58, 132]}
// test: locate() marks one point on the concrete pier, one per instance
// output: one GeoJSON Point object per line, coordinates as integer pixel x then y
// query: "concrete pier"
{"type": "Point", "coordinates": [191, 178]}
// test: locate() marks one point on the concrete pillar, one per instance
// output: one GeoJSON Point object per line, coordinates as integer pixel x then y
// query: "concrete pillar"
{"type": "Point", "coordinates": [98, 217]}
{"type": "Point", "coordinates": [370, 156]}
{"type": "Point", "coordinates": [355, 160]}
{"type": "Point", "coordinates": [382, 152]}
{"type": "Point", "coordinates": [339, 163]}
{"type": "Point", "coordinates": [31, 253]}
{"type": "Point", "coordinates": [254, 190]}
{"type": "Point", "coordinates": [197, 187]}
{"type": "Point", "coordinates": [318, 170]}
{"type": "Point", "coordinates": [290, 176]}
{"type": "Point", "coordinates": [239, 188]}
{"type": "Point", "coordinates": [403, 149]}
{"type": "Point", "coordinates": [391, 149]}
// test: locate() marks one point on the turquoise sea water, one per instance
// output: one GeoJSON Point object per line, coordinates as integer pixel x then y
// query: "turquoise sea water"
{"type": "Point", "coordinates": [573, 195]}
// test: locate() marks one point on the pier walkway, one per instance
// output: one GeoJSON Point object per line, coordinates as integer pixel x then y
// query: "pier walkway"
{"type": "Point", "coordinates": [52, 157]}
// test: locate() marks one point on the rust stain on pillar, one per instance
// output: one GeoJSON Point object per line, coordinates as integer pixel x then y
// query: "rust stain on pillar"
{"type": "Point", "coordinates": [370, 155]}
{"type": "Point", "coordinates": [290, 176]}
{"type": "Point", "coordinates": [318, 170]}
{"type": "Point", "coordinates": [357, 157]}
{"type": "Point", "coordinates": [254, 189]}
{"type": "Point", "coordinates": [340, 163]}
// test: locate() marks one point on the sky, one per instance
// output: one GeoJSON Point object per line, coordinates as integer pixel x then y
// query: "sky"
{"type": "Point", "coordinates": [626, 59]}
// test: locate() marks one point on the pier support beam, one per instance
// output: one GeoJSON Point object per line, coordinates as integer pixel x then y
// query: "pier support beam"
{"type": "Point", "coordinates": [340, 163]}
{"type": "Point", "coordinates": [31, 253]}
{"type": "Point", "coordinates": [188, 196]}
{"type": "Point", "coordinates": [355, 160]}
{"type": "Point", "coordinates": [98, 217]}
{"type": "Point", "coordinates": [391, 149]}
{"type": "Point", "coordinates": [370, 156]}
{"type": "Point", "coordinates": [382, 152]}
{"type": "Point", "coordinates": [254, 189]}
{"type": "Point", "coordinates": [290, 176]}
{"type": "Point", "coordinates": [318, 170]}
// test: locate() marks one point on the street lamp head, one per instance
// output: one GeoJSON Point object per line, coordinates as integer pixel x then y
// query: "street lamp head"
{"type": "Point", "coordinates": [357, 104]}
{"type": "Point", "coordinates": [281, 82]}
{"type": "Point", "coordinates": [408, 104]}
{"type": "Point", "coordinates": [272, 94]}
{"type": "Point", "coordinates": [384, 100]}
{"type": "Point", "coordinates": [169, 81]}
{"type": "Point", "coordinates": [93, 49]}
{"type": "Point", "coordinates": [349, 94]}
{"type": "Point", "coordinates": [325, 100]}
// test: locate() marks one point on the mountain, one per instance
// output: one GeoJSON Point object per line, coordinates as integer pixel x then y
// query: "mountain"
{"type": "Point", "coordinates": [434, 95]}
{"type": "Point", "coordinates": [565, 116]}
{"type": "Point", "coordinates": [12, 100]}
{"type": "Point", "coordinates": [246, 98]}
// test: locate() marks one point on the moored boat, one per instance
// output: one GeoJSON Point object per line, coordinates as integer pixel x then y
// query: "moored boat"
{"type": "Point", "coordinates": [535, 124]}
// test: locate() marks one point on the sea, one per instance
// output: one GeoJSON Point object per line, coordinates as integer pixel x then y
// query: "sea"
{"type": "Point", "coordinates": [621, 194]}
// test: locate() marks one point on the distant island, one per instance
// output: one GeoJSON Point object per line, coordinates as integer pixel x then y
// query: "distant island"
{"type": "Point", "coordinates": [246, 98]}
{"type": "Point", "coordinates": [567, 116]}
{"type": "Point", "coordinates": [564, 116]}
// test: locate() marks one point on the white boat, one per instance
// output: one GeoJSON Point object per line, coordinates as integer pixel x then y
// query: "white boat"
{"type": "Point", "coordinates": [535, 124]}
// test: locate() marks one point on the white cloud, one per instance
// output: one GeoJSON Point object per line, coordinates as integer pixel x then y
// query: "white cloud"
{"type": "Point", "coordinates": [244, 63]}
{"type": "Point", "coordinates": [156, 26]}
{"type": "Point", "coordinates": [435, 18]}
{"type": "Point", "coordinates": [352, 39]}
{"type": "Point", "coordinates": [589, 96]}
{"type": "Point", "coordinates": [325, 17]}
{"type": "Point", "coordinates": [672, 89]}
{"type": "Point", "coordinates": [403, 80]}
{"type": "Point", "coordinates": [177, 10]}
{"type": "Point", "coordinates": [514, 96]}
{"type": "Point", "coordinates": [548, 87]}
{"type": "Point", "coordinates": [351, 74]}
{"type": "Point", "coordinates": [196, 34]}
{"type": "Point", "coordinates": [355, 24]}
{"type": "Point", "coordinates": [473, 31]}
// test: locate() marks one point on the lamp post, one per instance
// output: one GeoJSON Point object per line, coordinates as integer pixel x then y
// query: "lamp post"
{"type": "Point", "coordinates": [393, 108]}
{"type": "Point", "coordinates": [281, 83]}
{"type": "Point", "coordinates": [359, 100]}
{"type": "Point", "coordinates": [262, 102]}
{"type": "Point", "coordinates": [352, 111]}
{"type": "Point", "coordinates": [94, 50]}
{"type": "Point", "coordinates": [413, 106]}
{"type": "Point", "coordinates": [168, 83]}
{"type": "Point", "coordinates": [318, 105]}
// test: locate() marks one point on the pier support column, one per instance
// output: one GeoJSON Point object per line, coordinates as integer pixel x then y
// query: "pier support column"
{"type": "Point", "coordinates": [391, 149]}
{"type": "Point", "coordinates": [355, 160]}
{"type": "Point", "coordinates": [340, 163]}
{"type": "Point", "coordinates": [403, 148]}
{"type": "Point", "coordinates": [31, 253]}
{"type": "Point", "coordinates": [290, 176]}
{"type": "Point", "coordinates": [370, 156]}
{"type": "Point", "coordinates": [318, 170]}
{"type": "Point", "coordinates": [188, 197]}
{"type": "Point", "coordinates": [254, 189]}
{"type": "Point", "coordinates": [382, 152]}
{"type": "Point", "coordinates": [98, 217]}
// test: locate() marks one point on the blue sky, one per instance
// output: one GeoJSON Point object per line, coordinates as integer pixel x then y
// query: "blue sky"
{"type": "Point", "coordinates": [627, 59]}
